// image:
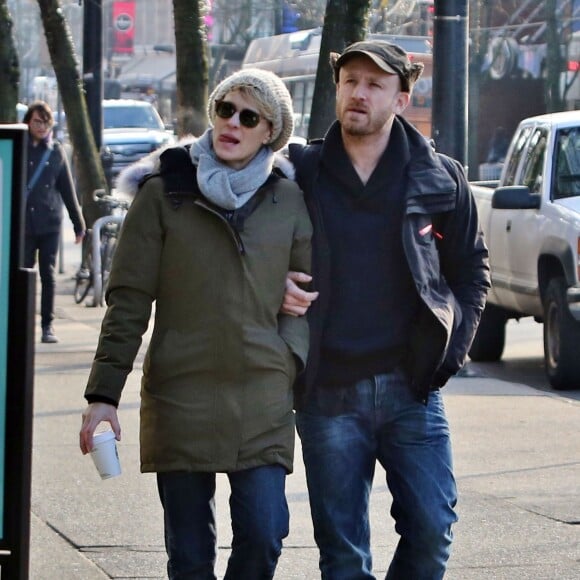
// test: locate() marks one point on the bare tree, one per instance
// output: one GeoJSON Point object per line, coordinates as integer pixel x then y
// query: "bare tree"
{"type": "Point", "coordinates": [192, 66]}
{"type": "Point", "coordinates": [90, 174]}
{"type": "Point", "coordinates": [239, 22]}
{"type": "Point", "coordinates": [9, 71]}
{"type": "Point", "coordinates": [344, 23]}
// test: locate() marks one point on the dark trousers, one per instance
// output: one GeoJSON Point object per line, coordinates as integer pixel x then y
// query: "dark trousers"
{"type": "Point", "coordinates": [260, 520]}
{"type": "Point", "coordinates": [47, 247]}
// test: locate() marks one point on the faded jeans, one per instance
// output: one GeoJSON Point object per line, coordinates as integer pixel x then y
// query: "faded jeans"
{"type": "Point", "coordinates": [379, 420]}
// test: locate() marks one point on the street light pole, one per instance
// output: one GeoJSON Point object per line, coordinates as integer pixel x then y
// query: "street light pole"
{"type": "Point", "coordinates": [450, 78]}
{"type": "Point", "coordinates": [93, 64]}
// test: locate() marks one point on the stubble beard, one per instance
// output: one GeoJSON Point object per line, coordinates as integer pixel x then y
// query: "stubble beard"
{"type": "Point", "coordinates": [350, 127]}
{"type": "Point", "coordinates": [372, 125]}
{"type": "Point", "coordinates": [354, 129]}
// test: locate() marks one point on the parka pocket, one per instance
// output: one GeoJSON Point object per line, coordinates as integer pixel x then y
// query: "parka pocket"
{"type": "Point", "coordinates": [268, 351]}
{"type": "Point", "coordinates": [173, 354]}
{"type": "Point", "coordinates": [292, 364]}
{"type": "Point", "coordinates": [288, 355]}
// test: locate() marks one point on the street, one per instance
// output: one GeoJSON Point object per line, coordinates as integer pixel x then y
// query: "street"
{"type": "Point", "coordinates": [523, 360]}
{"type": "Point", "coordinates": [517, 459]}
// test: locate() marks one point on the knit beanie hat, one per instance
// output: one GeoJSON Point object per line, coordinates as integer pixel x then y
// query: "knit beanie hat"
{"type": "Point", "coordinates": [275, 96]}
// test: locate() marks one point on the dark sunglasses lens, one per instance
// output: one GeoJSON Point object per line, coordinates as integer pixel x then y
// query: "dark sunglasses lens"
{"type": "Point", "coordinates": [225, 110]}
{"type": "Point", "coordinates": [249, 119]}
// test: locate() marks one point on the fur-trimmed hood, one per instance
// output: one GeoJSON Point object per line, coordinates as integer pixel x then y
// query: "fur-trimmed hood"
{"type": "Point", "coordinates": [129, 179]}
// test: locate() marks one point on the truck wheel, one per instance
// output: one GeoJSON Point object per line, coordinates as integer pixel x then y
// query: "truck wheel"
{"type": "Point", "coordinates": [561, 339]}
{"type": "Point", "coordinates": [489, 340]}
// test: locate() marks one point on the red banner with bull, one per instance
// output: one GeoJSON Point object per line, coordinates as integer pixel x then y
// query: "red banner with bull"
{"type": "Point", "coordinates": [124, 27]}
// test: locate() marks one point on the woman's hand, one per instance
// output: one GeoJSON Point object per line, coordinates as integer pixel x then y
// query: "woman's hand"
{"type": "Point", "coordinates": [297, 301]}
{"type": "Point", "coordinates": [94, 414]}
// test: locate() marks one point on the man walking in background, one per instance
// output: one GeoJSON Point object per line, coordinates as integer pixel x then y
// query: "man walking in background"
{"type": "Point", "coordinates": [49, 184]}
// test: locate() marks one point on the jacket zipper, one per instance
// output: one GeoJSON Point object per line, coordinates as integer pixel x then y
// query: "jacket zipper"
{"type": "Point", "coordinates": [234, 233]}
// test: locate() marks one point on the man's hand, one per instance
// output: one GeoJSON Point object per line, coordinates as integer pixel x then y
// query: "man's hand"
{"type": "Point", "coordinates": [94, 414]}
{"type": "Point", "coordinates": [297, 301]}
{"type": "Point", "coordinates": [79, 237]}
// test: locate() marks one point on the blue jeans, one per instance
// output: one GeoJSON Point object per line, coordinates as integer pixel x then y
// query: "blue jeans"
{"type": "Point", "coordinates": [379, 420]}
{"type": "Point", "coordinates": [260, 521]}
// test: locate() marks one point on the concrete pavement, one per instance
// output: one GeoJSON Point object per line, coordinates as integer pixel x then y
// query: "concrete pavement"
{"type": "Point", "coordinates": [517, 456]}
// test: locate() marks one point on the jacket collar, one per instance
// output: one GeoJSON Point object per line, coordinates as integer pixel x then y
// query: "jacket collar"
{"type": "Point", "coordinates": [389, 172]}
{"type": "Point", "coordinates": [46, 143]}
{"type": "Point", "coordinates": [426, 174]}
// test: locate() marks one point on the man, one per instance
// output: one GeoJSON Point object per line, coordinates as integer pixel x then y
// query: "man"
{"type": "Point", "coordinates": [401, 272]}
{"type": "Point", "coordinates": [49, 184]}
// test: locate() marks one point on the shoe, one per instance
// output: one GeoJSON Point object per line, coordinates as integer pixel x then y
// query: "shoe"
{"type": "Point", "coordinates": [48, 335]}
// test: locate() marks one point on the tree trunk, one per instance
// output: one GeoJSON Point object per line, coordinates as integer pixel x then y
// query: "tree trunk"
{"type": "Point", "coordinates": [344, 23]}
{"type": "Point", "coordinates": [89, 170]}
{"type": "Point", "coordinates": [191, 67]}
{"type": "Point", "coordinates": [9, 71]}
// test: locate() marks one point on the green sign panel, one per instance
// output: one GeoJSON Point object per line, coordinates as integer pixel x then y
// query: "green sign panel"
{"type": "Point", "coordinates": [6, 169]}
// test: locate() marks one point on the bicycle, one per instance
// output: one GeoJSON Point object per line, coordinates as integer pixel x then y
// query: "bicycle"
{"type": "Point", "coordinates": [100, 243]}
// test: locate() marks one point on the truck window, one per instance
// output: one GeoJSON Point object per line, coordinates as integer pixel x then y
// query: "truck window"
{"type": "Point", "coordinates": [516, 155]}
{"type": "Point", "coordinates": [533, 168]}
{"type": "Point", "coordinates": [567, 182]}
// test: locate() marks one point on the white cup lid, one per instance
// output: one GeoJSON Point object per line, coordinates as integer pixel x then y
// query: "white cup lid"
{"type": "Point", "coordinates": [102, 437]}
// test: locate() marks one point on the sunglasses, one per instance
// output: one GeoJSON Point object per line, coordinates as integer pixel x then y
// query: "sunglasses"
{"type": "Point", "coordinates": [226, 110]}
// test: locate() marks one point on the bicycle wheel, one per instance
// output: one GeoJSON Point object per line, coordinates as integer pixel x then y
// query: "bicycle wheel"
{"type": "Point", "coordinates": [108, 245]}
{"type": "Point", "coordinates": [82, 287]}
{"type": "Point", "coordinates": [84, 281]}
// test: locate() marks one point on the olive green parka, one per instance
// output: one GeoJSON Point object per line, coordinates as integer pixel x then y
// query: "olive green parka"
{"type": "Point", "coordinates": [216, 391]}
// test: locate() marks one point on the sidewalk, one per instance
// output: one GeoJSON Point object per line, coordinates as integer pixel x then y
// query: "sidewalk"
{"type": "Point", "coordinates": [517, 455]}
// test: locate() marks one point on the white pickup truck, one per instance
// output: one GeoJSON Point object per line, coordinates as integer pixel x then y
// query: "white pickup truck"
{"type": "Point", "coordinates": [531, 221]}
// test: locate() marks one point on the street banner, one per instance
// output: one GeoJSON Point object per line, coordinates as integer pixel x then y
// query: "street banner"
{"type": "Point", "coordinates": [123, 27]}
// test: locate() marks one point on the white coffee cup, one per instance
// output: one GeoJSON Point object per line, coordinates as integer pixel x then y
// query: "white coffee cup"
{"type": "Point", "coordinates": [105, 456]}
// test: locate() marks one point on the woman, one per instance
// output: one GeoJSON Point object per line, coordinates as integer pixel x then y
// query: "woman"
{"type": "Point", "coordinates": [209, 238]}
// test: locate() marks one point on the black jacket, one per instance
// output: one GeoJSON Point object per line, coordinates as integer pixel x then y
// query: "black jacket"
{"type": "Point", "coordinates": [53, 187]}
{"type": "Point", "coordinates": [444, 247]}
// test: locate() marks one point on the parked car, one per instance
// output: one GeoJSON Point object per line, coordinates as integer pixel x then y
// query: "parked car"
{"type": "Point", "coordinates": [531, 222]}
{"type": "Point", "coordinates": [131, 130]}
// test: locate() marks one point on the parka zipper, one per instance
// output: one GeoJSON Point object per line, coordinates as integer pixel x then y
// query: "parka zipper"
{"type": "Point", "coordinates": [234, 233]}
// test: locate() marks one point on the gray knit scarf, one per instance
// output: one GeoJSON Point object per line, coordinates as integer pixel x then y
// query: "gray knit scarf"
{"type": "Point", "coordinates": [228, 188]}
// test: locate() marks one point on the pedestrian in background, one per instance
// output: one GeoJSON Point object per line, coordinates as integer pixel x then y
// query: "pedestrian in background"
{"type": "Point", "coordinates": [401, 269]}
{"type": "Point", "coordinates": [49, 184]}
{"type": "Point", "coordinates": [209, 238]}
